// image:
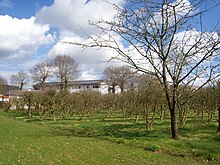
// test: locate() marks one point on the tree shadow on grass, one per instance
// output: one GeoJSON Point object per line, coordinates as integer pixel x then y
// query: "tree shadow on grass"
{"type": "Point", "coordinates": [125, 131]}
{"type": "Point", "coordinates": [198, 129]}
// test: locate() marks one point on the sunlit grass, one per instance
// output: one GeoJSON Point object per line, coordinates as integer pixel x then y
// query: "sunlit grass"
{"type": "Point", "coordinates": [112, 141]}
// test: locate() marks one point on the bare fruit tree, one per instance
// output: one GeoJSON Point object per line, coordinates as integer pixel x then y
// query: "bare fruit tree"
{"type": "Point", "coordinates": [66, 69]}
{"type": "Point", "coordinates": [20, 79]}
{"type": "Point", "coordinates": [166, 39]}
{"type": "Point", "coordinates": [110, 78]}
{"type": "Point", "coordinates": [3, 80]}
{"type": "Point", "coordinates": [118, 76]}
{"type": "Point", "coordinates": [124, 76]}
{"type": "Point", "coordinates": [40, 72]}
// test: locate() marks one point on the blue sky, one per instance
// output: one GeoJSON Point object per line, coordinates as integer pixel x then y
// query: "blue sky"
{"type": "Point", "coordinates": [22, 8]}
{"type": "Point", "coordinates": [28, 29]}
{"type": "Point", "coordinates": [212, 18]}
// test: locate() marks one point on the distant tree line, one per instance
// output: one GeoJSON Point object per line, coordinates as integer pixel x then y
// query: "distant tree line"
{"type": "Point", "coordinates": [146, 101]}
{"type": "Point", "coordinates": [142, 96]}
{"type": "Point", "coordinates": [63, 67]}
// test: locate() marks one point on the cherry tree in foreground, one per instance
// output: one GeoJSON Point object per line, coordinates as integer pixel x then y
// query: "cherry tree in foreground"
{"type": "Point", "coordinates": [167, 39]}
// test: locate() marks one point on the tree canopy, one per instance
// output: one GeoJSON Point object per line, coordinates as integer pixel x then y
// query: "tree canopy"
{"type": "Point", "coordinates": [166, 39]}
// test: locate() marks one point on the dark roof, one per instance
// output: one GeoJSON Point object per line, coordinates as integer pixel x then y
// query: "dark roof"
{"type": "Point", "coordinates": [5, 89]}
{"type": "Point", "coordinates": [77, 82]}
{"type": "Point", "coordinates": [86, 82]}
{"type": "Point", "coordinates": [48, 83]}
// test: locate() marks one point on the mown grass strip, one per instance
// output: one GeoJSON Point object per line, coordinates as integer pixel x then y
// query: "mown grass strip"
{"type": "Point", "coordinates": [26, 143]}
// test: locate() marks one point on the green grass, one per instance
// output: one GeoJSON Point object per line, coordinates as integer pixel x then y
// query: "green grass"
{"type": "Point", "coordinates": [92, 141]}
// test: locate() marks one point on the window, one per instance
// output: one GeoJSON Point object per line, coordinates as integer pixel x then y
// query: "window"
{"type": "Point", "coordinates": [95, 86]}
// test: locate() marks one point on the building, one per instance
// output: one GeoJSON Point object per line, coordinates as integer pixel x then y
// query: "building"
{"type": "Point", "coordinates": [5, 91]}
{"type": "Point", "coordinates": [76, 86]}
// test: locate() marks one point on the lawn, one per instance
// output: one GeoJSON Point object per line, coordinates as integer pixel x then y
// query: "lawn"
{"type": "Point", "coordinates": [94, 141]}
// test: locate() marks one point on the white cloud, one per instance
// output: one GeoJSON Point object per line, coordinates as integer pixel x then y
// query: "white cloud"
{"type": "Point", "coordinates": [74, 15]}
{"type": "Point", "coordinates": [6, 4]}
{"type": "Point", "coordinates": [91, 61]}
{"type": "Point", "coordinates": [172, 12]}
{"type": "Point", "coordinates": [192, 41]}
{"type": "Point", "coordinates": [21, 37]}
{"type": "Point", "coordinates": [71, 17]}
{"type": "Point", "coordinates": [89, 75]}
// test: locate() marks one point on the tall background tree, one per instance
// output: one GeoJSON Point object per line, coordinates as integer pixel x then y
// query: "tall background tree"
{"type": "Point", "coordinates": [117, 76]}
{"type": "Point", "coordinates": [20, 79]}
{"type": "Point", "coordinates": [40, 72]}
{"type": "Point", "coordinates": [166, 39]}
{"type": "Point", "coordinates": [110, 77]}
{"type": "Point", "coordinates": [124, 74]}
{"type": "Point", "coordinates": [66, 69]}
{"type": "Point", "coordinates": [3, 80]}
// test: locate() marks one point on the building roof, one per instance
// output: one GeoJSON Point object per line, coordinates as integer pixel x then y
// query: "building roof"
{"type": "Point", "coordinates": [86, 82]}
{"type": "Point", "coordinates": [5, 89]}
{"type": "Point", "coordinates": [76, 82]}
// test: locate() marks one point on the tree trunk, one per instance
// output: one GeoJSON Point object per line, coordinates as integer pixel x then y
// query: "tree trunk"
{"type": "Point", "coordinates": [122, 87]}
{"type": "Point", "coordinates": [202, 115]}
{"type": "Point", "coordinates": [146, 118]}
{"type": "Point", "coordinates": [152, 120]}
{"type": "Point", "coordinates": [172, 108]}
{"type": "Point", "coordinates": [54, 117]}
{"type": "Point", "coordinates": [136, 118]}
{"type": "Point", "coordinates": [210, 116]}
{"type": "Point", "coordinates": [182, 115]}
{"type": "Point", "coordinates": [162, 112]}
{"type": "Point", "coordinates": [29, 107]}
{"type": "Point", "coordinates": [218, 130]}
{"type": "Point", "coordinates": [113, 88]}
{"type": "Point", "coordinates": [29, 110]}
{"type": "Point", "coordinates": [174, 128]}
{"type": "Point", "coordinates": [21, 86]}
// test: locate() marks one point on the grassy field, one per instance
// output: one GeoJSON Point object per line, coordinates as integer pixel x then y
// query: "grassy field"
{"type": "Point", "coordinates": [93, 141]}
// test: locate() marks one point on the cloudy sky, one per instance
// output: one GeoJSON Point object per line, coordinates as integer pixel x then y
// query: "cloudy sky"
{"type": "Point", "coordinates": [30, 29]}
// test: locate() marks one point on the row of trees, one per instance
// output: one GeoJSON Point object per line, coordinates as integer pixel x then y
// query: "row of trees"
{"type": "Point", "coordinates": [147, 101]}
{"type": "Point", "coordinates": [63, 67]}
{"type": "Point", "coordinates": [166, 39]}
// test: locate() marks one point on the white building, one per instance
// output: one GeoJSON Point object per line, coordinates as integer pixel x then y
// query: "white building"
{"type": "Point", "coordinates": [79, 85]}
